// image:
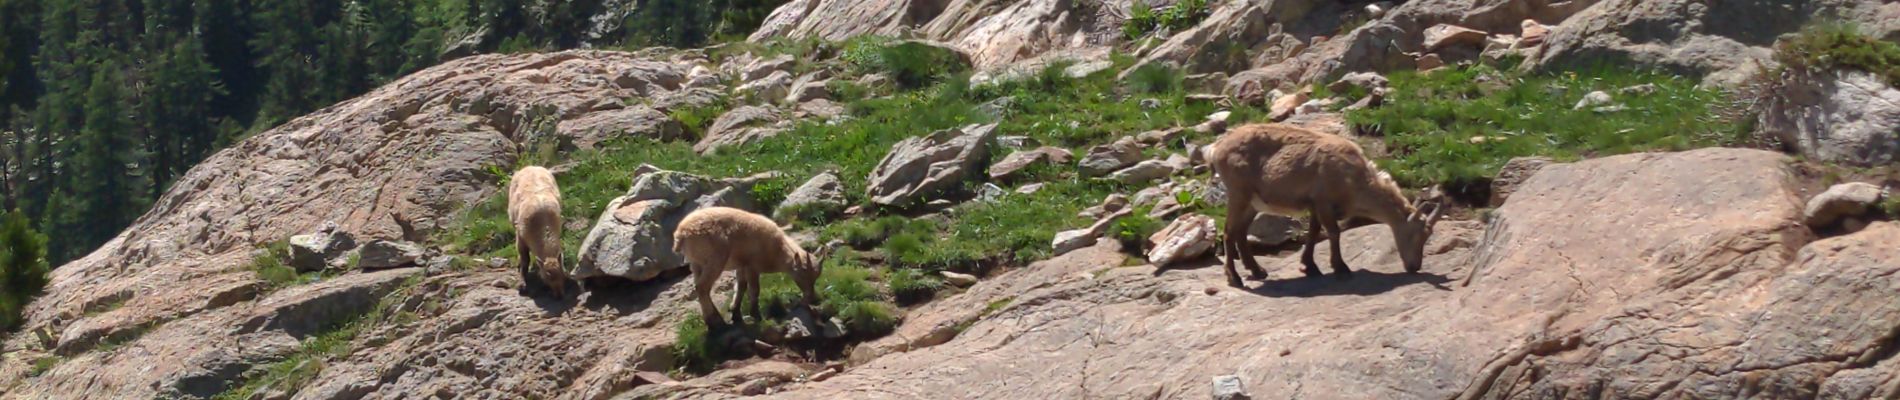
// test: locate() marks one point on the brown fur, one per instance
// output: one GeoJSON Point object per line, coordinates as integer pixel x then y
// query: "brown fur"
{"type": "Point", "coordinates": [716, 239]}
{"type": "Point", "coordinates": [1287, 170]}
{"type": "Point", "coordinates": [534, 208]}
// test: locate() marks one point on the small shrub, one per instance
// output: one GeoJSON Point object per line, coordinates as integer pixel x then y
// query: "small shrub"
{"type": "Point", "coordinates": [270, 268]}
{"type": "Point", "coordinates": [1891, 205]}
{"type": "Point", "coordinates": [770, 192]}
{"type": "Point", "coordinates": [697, 119]}
{"type": "Point", "coordinates": [1143, 19]}
{"type": "Point", "coordinates": [911, 286]}
{"type": "Point", "coordinates": [1133, 230]}
{"type": "Point", "coordinates": [915, 65]}
{"type": "Point", "coordinates": [906, 248]}
{"type": "Point", "coordinates": [23, 268]}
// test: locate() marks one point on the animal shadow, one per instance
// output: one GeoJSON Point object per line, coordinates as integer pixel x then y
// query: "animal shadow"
{"type": "Point", "coordinates": [1363, 283]}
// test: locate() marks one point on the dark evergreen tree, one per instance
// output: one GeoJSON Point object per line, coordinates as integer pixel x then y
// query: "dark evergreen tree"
{"type": "Point", "coordinates": [23, 268]}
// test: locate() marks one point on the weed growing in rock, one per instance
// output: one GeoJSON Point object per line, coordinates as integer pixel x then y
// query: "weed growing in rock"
{"type": "Point", "coordinates": [269, 264]}
{"type": "Point", "coordinates": [1143, 19]}
{"type": "Point", "coordinates": [44, 364]}
{"type": "Point", "coordinates": [912, 286]}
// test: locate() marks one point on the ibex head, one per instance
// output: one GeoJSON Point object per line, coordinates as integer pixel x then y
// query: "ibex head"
{"type": "Point", "coordinates": [1412, 234]}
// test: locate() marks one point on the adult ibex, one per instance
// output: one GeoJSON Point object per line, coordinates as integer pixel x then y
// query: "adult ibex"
{"type": "Point", "coordinates": [1283, 170]}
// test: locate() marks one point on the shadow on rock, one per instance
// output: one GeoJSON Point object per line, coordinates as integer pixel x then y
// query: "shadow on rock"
{"type": "Point", "coordinates": [622, 297]}
{"type": "Point", "coordinates": [1363, 283]}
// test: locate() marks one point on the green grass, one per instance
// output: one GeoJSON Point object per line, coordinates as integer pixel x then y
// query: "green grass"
{"type": "Point", "coordinates": [1429, 120]}
{"type": "Point", "coordinates": [1133, 231]}
{"type": "Point", "coordinates": [1840, 45]}
{"type": "Point", "coordinates": [911, 286]}
{"type": "Point", "coordinates": [270, 266]}
{"type": "Point", "coordinates": [43, 365]}
{"type": "Point", "coordinates": [1891, 205]}
{"type": "Point", "coordinates": [334, 341]}
{"type": "Point", "coordinates": [1183, 14]}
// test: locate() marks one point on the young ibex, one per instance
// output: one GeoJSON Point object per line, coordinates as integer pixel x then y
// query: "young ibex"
{"type": "Point", "coordinates": [1282, 169]}
{"type": "Point", "coordinates": [534, 208]}
{"type": "Point", "coordinates": [716, 239]}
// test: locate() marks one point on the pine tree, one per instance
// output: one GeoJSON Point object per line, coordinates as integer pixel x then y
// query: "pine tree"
{"type": "Point", "coordinates": [176, 111]}
{"type": "Point", "coordinates": [107, 188]}
{"type": "Point", "coordinates": [287, 42]}
{"type": "Point", "coordinates": [23, 268]}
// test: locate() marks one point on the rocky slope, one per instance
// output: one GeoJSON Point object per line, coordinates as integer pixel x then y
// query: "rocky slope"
{"type": "Point", "coordinates": [1702, 283]}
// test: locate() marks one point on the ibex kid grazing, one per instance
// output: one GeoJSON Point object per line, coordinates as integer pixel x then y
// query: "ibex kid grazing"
{"type": "Point", "coordinates": [716, 239]}
{"type": "Point", "coordinates": [534, 208]}
{"type": "Point", "coordinates": [1283, 170]}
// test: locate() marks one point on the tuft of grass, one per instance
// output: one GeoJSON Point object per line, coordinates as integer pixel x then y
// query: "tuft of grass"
{"type": "Point", "coordinates": [697, 119]}
{"type": "Point", "coordinates": [1891, 205]}
{"type": "Point", "coordinates": [1431, 120]}
{"type": "Point", "coordinates": [693, 346]}
{"type": "Point", "coordinates": [1840, 45]}
{"type": "Point", "coordinates": [43, 365]}
{"type": "Point", "coordinates": [270, 266]}
{"type": "Point", "coordinates": [1156, 78]}
{"type": "Point", "coordinates": [867, 319]}
{"type": "Point", "coordinates": [1133, 230]}
{"type": "Point", "coordinates": [912, 286]}
{"type": "Point", "coordinates": [996, 305]}
{"type": "Point", "coordinates": [911, 65]}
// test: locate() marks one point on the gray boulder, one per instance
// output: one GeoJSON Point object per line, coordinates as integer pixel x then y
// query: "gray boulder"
{"type": "Point", "coordinates": [633, 237]}
{"type": "Point", "coordinates": [823, 194]}
{"type": "Point", "coordinates": [1015, 163]}
{"type": "Point", "coordinates": [1108, 158]}
{"type": "Point", "coordinates": [741, 126]}
{"type": "Point", "coordinates": [928, 165]}
{"type": "Point", "coordinates": [386, 254]}
{"type": "Point", "coordinates": [314, 251]}
{"type": "Point", "coordinates": [1848, 117]}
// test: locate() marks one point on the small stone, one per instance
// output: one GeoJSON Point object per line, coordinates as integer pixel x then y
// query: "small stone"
{"type": "Point", "coordinates": [958, 279]}
{"type": "Point", "coordinates": [1229, 387]}
{"type": "Point", "coordinates": [1285, 105]}
{"type": "Point", "coordinates": [1532, 33]}
{"type": "Point", "coordinates": [1101, 160]}
{"type": "Point", "coordinates": [1187, 238]}
{"type": "Point", "coordinates": [1594, 99]}
{"type": "Point", "coordinates": [1638, 90]}
{"type": "Point", "coordinates": [1211, 291]}
{"type": "Point", "coordinates": [1430, 62]}
{"type": "Point", "coordinates": [1839, 202]}
{"type": "Point", "coordinates": [1030, 188]}
{"type": "Point", "coordinates": [821, 376]}
{"type": "Point", "coordinates": [1142, 173]}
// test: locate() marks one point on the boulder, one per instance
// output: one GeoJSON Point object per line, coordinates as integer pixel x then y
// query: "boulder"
{"type": "Point", "coordinates": [386, 254]}
{"type": "Point", "coordinates": [1531, 33]}
{"type": "Point", "coordinates": [1840, 202]}
{"type": "Point", "coordinates": [1284, 106]}
{"type": "Point", "coordinates": [1366, 81]}
{"type": "Point", "coordinates": [1072, 240]}
{"type": "Point", "coordinates": [1514, 173]}
{"type": "Point", "coordinates": [769, 88]}
{"type": "Point", "coordinates": [1848, 117]}
{"type": "Point", "coordinates": [1442, 36]}
{"type": "Point", "coordinates": [823, 194]}
{"type": "Point", "coordinates": [765, 67]}
{"type": "Point", "coordinates": [1104, 159]}
{"type": "Point", "coordinates": [740, 126]}
{"type": "Point", "coordinates": [1142, 173]}
{"type": "Point", "coordinates": [1429, 62]}
{"type": "Point", "coordinates": [1726, 46]}
{"type": "Point", "coordinates": [1085, 69]}
{"type": "Point", "coordinates": [1015, 163]}
{"type": "Point", "coordinates": [928, 165]}
{"type": "Point", "coordinates": [325, 247]}
{"type": "Point", "coordinates": [633, 237]}
{"type": "Point", "coordinates": [1187, 238]}
{"type": "Point", "coordinates": [811, 86]}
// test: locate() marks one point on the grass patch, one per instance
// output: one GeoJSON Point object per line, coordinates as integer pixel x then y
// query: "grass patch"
{"type": "Point", "coordinates": [1450, 127]}
{"type": "Point", "coordinates": [1840, 45]}
{"type": "Point", "coordinates": [912, 286]}
{"type": "Point", "coordinates": [43, 365]}
{"type": "Point", "coordinates": [270, 265]}
{"type": "Point", "coordinates": [1133, 230]}
{"type": "Point", "coordinates": [334, 341]}
{"type": "Point", "coordinates": [693, 345]}
{"type": "Point", "coordinates": [1143, 19]}
{"type": "Point", "coordinates": [1891, 205]}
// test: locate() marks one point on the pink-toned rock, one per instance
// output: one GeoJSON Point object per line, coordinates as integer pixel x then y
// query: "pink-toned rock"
{"type": "Point", "coordinates": [1446, 35]}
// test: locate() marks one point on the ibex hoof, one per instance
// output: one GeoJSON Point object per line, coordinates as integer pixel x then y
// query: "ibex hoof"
{"type": "Point", "coordinates": [1235, 282]}
{"type": "Point", "coordinates": [1342, 274]}
{"type": "Point", "coordinates": [1312, 272]}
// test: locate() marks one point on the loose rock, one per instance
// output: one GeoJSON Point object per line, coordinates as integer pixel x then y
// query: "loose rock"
{"type": "Point", "coordinates": [385, 254]}
{"type": "Point", "coordinates": [957, 279]}
{"type": "Point", "coordinates": [823, 194]}
{"type": "Point", "coordinates": [928, 165]}
{"type": "Point", "coordinates": [1104, 159]}
{"type": "Point", "coordinates": [1187, 238]}
{"type": "Point", "coordinates": [1840, 202]}
{"type": "Point", "coordinates": [1143, 172]}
